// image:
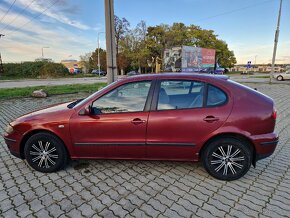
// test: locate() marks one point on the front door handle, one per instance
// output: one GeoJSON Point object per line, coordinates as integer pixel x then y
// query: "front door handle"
{"type": "Point", "coordinates": [211, 119]}
{"type": "Point", "coordinates": [138, 121]}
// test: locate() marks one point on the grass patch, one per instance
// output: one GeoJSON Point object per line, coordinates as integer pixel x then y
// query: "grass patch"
{"type": "Point", "coordinates": [52, 90]}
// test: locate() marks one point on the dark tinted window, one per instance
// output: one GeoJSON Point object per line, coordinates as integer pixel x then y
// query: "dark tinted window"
{"type": "Point", "coordinates": [130, 97]}
{"type": "Point", "coordinates": [180, 94]}
{"type": "Point", "coordinates": [215, 96]}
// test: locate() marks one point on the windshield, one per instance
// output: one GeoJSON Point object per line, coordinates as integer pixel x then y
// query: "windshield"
{"type": "Point", "coordinates": [80, 101]}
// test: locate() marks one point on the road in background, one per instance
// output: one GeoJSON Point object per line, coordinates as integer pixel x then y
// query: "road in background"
{"type": "Point", "coordinates": [256, 78]}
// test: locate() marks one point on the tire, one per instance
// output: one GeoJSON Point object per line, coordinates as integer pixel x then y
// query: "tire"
{"type": "Point", "coordinates": [279, 78]}
{"type": "Point", "coordinates": [217, 160]}
{"type": "Point", "coordinates": [45, 152]}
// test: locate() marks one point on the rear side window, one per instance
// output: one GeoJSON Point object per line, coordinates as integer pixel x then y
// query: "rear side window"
{"type": "Point", "coordinates": [215, 96]}
{"type": "Point", "coordinates": [180, 94]}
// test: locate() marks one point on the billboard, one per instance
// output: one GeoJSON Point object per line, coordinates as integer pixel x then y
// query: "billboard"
{"type": "Point", "coordinates": [172, 59]}
{"type": "Point", "coordinates": [196, 59]}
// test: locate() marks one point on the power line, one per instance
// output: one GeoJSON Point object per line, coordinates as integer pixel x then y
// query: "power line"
{"type": "Point", "coordinates": [20, 13]}
{"type": "Point", "coordinates": [38, 15]}
{"type": "Point", "coordinates": [233, 11]}
{"type": "Point", "coordinates": [8, 10]}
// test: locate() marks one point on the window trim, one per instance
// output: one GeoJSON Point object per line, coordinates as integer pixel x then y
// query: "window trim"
{"type": "Point", "coordinates": [147, 102]}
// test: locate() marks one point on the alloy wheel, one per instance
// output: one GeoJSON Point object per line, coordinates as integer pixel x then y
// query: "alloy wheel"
{"type": "Point", "coordinates": [228, 160]}
{"type": "Point", "coordinates": [44, 154]}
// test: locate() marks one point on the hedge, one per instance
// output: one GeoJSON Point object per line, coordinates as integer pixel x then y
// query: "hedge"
{"type": "Point", "coordinates": [38, 69]}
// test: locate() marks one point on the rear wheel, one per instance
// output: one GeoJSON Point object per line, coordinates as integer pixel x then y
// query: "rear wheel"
{"type": "Point", "coordinates": [279, 78]}
{"type": "Point", "coordinates": [45, 152]}
{"type": "Point", "coordinates": [227, 158]}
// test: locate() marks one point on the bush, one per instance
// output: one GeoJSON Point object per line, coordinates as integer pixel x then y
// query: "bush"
{"type": "Point", "coordinates": [52, 70]}
{"type": "Point", "coordinates": [34, 70]}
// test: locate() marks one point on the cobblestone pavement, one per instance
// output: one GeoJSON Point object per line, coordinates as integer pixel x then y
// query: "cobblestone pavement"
{"type": "Point", "coordinates": [144, 188]}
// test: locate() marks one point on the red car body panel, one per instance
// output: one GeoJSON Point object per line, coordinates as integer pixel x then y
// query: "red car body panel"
{"type": "Point", "coordinates": [95, 136]}
{"type": "Point", "coordinates": [164, 135]}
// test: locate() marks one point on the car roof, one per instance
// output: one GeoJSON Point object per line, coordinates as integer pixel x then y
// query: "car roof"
{"type": "Point", "coordinates": [178, 76]}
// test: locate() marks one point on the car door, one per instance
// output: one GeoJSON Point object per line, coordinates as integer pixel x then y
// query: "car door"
{"type": "Point", "coordinates": [287, 75]}
{"type": "Point", "coordinates": [116, 127]}
{"type": "Point", "coordinates": [177, 126]}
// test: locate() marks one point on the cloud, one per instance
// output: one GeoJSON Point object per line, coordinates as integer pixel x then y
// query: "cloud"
{"type": "Point", "coordinates": [54, 28]}
{"type": "Point", "coordinates": [55, 9]}
{"type": "Point", "coordinates": [25, 45]}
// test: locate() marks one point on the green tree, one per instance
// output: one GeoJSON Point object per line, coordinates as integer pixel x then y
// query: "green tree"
{"type": "Point", "coordinates": [94, 60]}
{"type": "Point", "coordinates": [85, 62]}
{"type": "Point", "coordinates": [121, 28]}
{"type": "Point", "coordinates": [164, 36]}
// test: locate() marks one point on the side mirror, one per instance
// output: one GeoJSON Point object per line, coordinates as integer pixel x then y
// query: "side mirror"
{"type": "Point", "coordinates": [86, 111]}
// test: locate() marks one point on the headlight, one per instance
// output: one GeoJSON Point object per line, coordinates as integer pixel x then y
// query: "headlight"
{"type": "Point", "coordinates": [9, 129]}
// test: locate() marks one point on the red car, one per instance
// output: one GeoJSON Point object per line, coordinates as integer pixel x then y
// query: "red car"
{"type": "Point", "coordinates": [180, 117]}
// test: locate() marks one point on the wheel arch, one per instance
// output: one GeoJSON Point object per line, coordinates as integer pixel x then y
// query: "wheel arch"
{"type": "Point", "coordinates": [235, 136]}
{"type": "Point", "coordinates": [33, 132]}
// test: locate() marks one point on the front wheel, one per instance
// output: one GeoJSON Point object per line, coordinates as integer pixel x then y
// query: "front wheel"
{"type": "Point", "coordinates": [45, 152]}
{"type": "Point", "coordinates": [279, 78]}
{"type": "Point", "coordinates": [227, 158]}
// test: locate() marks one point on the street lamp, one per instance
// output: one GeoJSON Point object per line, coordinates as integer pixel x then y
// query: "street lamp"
{"type": "Point", "coordinates": [99, 65]}
{"type": "Point", "coordinates": [42, 51]}
{"type": "Point", "coordinates": [256, 59]}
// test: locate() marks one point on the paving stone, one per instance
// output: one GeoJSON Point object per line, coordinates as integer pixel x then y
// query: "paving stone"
{"type": "Point", "coordinates": [144, 188]}
{"type": "Point", "coordinates": [42, 213]}
{"type": "Point", "coordinates": [148, 209]}
{"type": "Point", "coordinates": [118, 210]}
{"type": "Point", "coordinates": [11, 213]}
{"type": "Point", "coordinates": [23, 210]}
{"type": "Point", "coordinates": [86, 210]}
{"type": "Point", "coordinates": [74, 213]}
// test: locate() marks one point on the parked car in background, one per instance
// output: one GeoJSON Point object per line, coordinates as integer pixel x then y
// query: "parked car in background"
{"type": "Point", "coordinates": [99, 73]}
{"type": "Point", "coordinates": [219, 70]}
{"type": "Point", "coordinates": [180, 117]}
{"type": "Point", "coordinates": [282, 76]}
{"type": "Point", "coordinates": [75, 70]}
{"type": "Point", "coordinates": [133, 73]}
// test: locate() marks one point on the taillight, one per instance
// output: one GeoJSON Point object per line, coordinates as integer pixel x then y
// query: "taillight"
{"type": "Point", "coordinates": [274, 114]}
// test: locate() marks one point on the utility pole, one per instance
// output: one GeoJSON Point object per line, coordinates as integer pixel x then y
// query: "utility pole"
{"type": "Point", "coordinates": [276, 42]}
{"type": "Point", "coordinates": [1, 65]}
{"type": "Point", "coordinates": [110, 41]}
{"type": "Point", "coordinates": [99, 63]}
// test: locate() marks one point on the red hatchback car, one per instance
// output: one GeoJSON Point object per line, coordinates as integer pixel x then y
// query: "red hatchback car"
{"type": "Point", "coordinates": [181, 117]}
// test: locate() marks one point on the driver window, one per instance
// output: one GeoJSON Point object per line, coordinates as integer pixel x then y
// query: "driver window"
{"type": "Point", "coordinates": [130, 97]}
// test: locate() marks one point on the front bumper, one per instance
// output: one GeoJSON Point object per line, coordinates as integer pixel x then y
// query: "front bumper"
{"type": "Point", "coordinates": [13, 146]}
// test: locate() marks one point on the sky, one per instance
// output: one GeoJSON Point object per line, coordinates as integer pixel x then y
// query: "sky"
{"type": "Point", "coordinates": [69, 28]}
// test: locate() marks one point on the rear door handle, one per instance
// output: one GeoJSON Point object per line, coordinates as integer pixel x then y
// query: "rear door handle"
{"type": "Point", "coordinates": [138, 121]}
{"type": "Point", "coordinates": [211, 119]}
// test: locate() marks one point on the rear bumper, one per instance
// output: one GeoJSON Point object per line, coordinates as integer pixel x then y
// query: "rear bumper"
{"type": "Point", "coordinates": [265, 145]}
